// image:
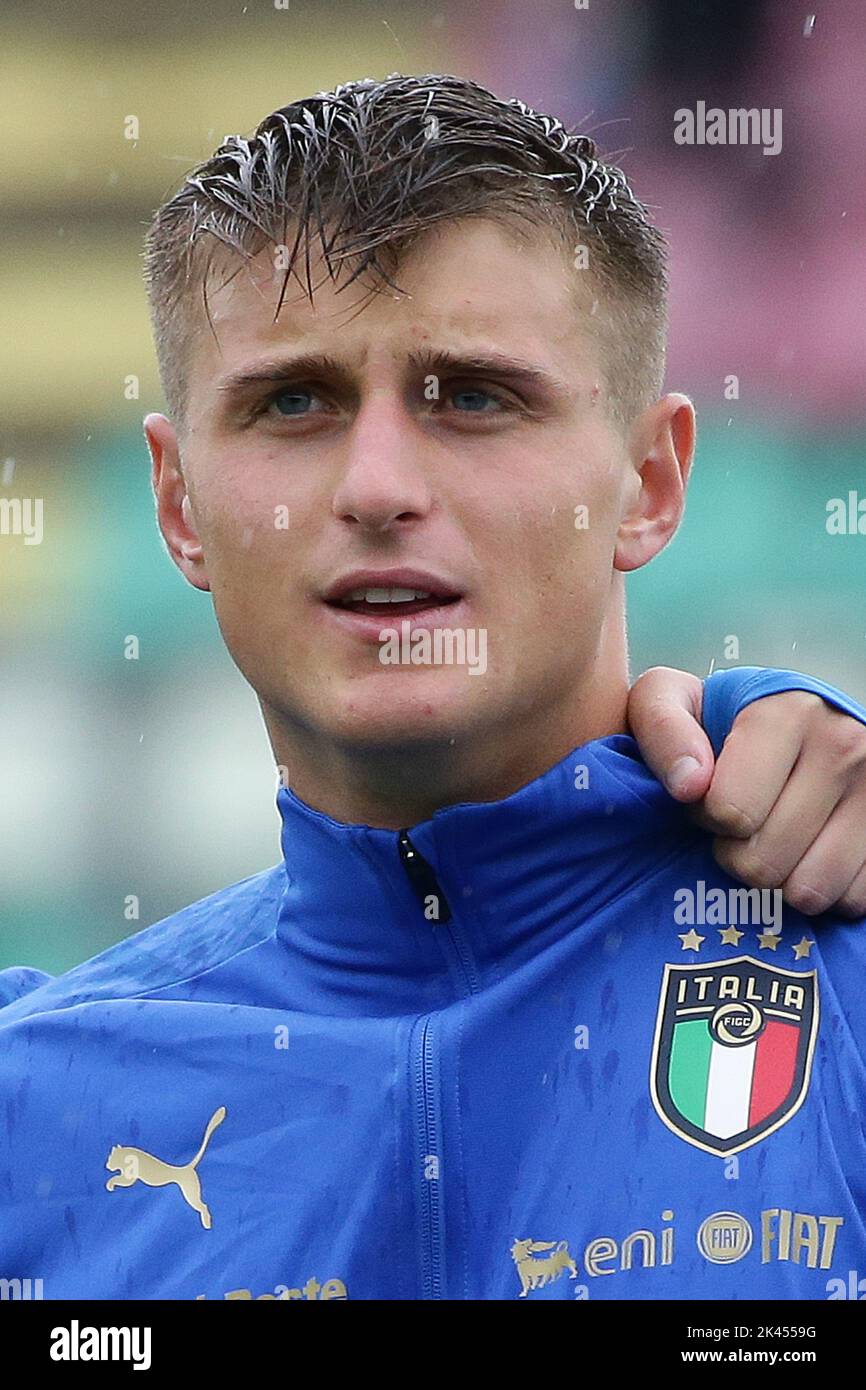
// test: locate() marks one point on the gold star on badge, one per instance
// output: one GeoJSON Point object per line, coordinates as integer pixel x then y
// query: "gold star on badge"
{"type": "Point", "coordinates": [802, 949]}
{"type": "Point", "coordinates": [691, 941]}
{"type": "Point", "coordinates": [730, 936]}
{"type": "Point", "coordinates": [769, 940]}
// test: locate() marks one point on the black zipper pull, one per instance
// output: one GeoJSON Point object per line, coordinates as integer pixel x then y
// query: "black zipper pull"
{"type": "Point", "coordinates": [422, 879]}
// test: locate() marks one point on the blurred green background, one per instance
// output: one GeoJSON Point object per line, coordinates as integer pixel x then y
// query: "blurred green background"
{"type": "Point", "coordinates": [152, 779]}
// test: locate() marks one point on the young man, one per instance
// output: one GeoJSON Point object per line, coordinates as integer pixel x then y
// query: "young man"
{"type": "Point", "coordinates": [499, 1025]}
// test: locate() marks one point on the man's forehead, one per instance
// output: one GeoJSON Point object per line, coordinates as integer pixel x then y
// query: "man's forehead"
{"type": "Point", "coordinates": [461, 286]}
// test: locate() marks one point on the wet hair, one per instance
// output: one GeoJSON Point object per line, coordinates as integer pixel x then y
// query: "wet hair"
{"type": "Point", "coordinates": [358, 174]}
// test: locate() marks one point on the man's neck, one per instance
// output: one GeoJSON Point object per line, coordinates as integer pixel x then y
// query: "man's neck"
{"type": "Point", "coordinates": [399, 786]}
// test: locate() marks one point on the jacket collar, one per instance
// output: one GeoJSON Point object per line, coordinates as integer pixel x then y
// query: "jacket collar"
{"type": "Point", "coordinates": [517, 874]}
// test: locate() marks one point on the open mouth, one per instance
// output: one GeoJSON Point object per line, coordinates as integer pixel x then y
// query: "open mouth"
{"type": "Point", "coordinates": [395, 603]}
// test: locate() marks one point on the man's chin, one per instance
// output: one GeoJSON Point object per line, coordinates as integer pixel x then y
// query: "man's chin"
{"type": "Point", "coordinates": [408, 708]}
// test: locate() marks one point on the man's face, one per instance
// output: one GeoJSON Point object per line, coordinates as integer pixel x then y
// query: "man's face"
{"type": "Point", "coordinates": [439, 442]}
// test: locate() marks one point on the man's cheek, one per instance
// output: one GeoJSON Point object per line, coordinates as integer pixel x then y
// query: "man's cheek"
{"type": "Point", "coordinates": [240, 539]}
{"type": "Point", "coordinates": [251, 593]}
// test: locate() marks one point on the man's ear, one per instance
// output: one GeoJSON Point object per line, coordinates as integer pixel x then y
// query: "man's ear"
{"type": "Point", "coordinates": [173, 506]}
{"type": "Point", "coordinates": [661, 449]}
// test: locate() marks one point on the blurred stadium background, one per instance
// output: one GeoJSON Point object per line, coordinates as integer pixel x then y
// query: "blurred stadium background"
{"type": "Point", "coordinates": [153, 777]}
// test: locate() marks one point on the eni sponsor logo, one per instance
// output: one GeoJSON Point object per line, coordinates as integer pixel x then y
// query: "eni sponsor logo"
{"type": "Point", "coordinates": [724, 1237]}
{"type": "Point", "coordinates": [536, 1270]}
{"type": "Point", "coordinates": [312, 1291]}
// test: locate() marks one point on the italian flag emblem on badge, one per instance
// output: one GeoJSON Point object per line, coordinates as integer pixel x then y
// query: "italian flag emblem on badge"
{"type": "Point", "coordinates": [732, 1053]}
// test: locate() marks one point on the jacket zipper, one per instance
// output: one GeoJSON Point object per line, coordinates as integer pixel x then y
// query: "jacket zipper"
{"type": "Point", "coordinates": [430, 1160]}
{"type": "Point", "coordinates": [426, 1080]}
{"type": "Point", "coordinates": [422, 878]}
{"type": "Point", "coordinates": [426, 886]}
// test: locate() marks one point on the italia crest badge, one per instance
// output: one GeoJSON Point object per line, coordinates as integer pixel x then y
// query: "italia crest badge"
{"type": "Point", "coordinates": [732, 1054]}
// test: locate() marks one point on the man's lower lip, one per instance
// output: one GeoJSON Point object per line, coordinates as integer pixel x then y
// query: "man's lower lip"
{"type": "Point", "coordinates": [368, 626]}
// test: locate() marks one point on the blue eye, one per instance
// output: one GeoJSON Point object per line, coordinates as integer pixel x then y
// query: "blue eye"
{"type": "Point", "coordinates": [473, 400]}
{"type": "Point", "coordinates": [297, 402]}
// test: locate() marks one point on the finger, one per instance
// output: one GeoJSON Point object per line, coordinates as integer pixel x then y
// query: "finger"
{"type": "Point", "coordinates": [796, 819]}
{"type": "Point", "coordinates": [853, 901]}
{"type": "Point", "coordinates": [664, 713]}
{"type": "Point", "coordinates": [751, 771]}
{"type": "Point", "coordinates": [768, 858]}
{"type": "Point", "coordinates": [832, 864]}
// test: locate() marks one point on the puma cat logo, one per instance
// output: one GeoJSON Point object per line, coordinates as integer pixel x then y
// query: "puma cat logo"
{"type": "Point", "coordinates": [134, 1165]}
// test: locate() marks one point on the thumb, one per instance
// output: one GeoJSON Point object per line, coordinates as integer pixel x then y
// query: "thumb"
{"type": "Point", "coordinates": [664, 714]}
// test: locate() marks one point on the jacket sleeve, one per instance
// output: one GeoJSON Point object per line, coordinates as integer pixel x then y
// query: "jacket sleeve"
{"type": "Point", "coordinates": [19, 980]}
{"type": "Point", "coordinates": [726, 693]}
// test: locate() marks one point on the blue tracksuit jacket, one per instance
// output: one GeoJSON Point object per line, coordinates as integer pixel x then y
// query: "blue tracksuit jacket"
{"type": "Point", "coordinates": [538, 1048]}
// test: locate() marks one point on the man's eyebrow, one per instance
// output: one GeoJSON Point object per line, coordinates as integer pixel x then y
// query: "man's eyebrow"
{"type": "Point", "coordinates": [277, 369]}
{"type": "Point", "coordinates": [487, 363]}
{"type": "Point", "coordinates": [428, 360]}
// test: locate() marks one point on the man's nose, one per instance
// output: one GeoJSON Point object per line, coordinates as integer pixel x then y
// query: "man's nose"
{"type": "Point", "coordinates": [383, 479]}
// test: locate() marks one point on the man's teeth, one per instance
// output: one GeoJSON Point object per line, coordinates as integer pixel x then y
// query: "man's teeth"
{"type": "Point", "coordinates": [387, 595]}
